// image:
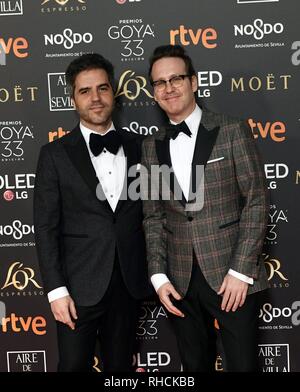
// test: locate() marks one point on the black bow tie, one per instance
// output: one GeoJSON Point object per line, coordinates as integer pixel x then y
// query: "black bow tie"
{"type": "Point", "coordinates": [174, 130]}
{"type": "Point", "coordinates": [111, 141]}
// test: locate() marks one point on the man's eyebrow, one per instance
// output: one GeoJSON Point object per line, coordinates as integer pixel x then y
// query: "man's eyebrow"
{"type": "Point", "coordinates": [88, 88]}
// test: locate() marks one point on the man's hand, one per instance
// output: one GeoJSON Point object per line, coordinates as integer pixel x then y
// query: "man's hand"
{"type": "Point", "coordinates": [63, 309]}
{"type": "Point", "coordinates": [164, 292]}
{"type": "Point", "coordinates": [234, 293]}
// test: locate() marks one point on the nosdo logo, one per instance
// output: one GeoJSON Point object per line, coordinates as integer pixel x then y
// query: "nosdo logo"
{"type": "Point", "coordinates": [18, 46]}
{"type": "Point", "coordinates": [258, 29]}
{"type": "Point", "coordinates": [68, 39]}
{"type": "Point", "coordinates": [134, 127]}
{"type": "Point", "coordinates": [16, 230]}
{"type": "Point", "coordinates": [206, 37]}
{"type": "Point", "coordinates": [268, 312]}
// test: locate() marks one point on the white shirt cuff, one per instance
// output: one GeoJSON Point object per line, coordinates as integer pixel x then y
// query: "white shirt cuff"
{"type": "Point", "coordinates": [158, 280]}
{"type": "Point", "coordinates": [242, 277]}
{"type": "Point", "coordinates": [57, 293]}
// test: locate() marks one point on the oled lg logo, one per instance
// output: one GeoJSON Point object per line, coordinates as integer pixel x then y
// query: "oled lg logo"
{"type": "Point", "coordinates": [206, 80]}
{"type": "Point", "coordinates": [275, 172]}
{"type": "Point", "coordinates": [16, 186]}
{"type": "Point", "coordinates": [151, 361]}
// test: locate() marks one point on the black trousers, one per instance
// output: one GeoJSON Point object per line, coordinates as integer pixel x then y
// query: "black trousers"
{"type": "Point", "coordinates": [113, 320]}
{"type": "Point", "coordinates": [196, 335]}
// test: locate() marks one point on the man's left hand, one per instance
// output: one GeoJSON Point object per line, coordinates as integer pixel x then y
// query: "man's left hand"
{"type": "Point", "coordinates": [234, 293]}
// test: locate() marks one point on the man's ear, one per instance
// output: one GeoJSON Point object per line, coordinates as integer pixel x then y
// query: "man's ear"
{"type": "Point", "coordinates": [194, 83]}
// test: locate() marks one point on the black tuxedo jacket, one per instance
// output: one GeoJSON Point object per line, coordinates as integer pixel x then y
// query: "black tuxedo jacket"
{"type": "Point", "coordinates": [77, 234]}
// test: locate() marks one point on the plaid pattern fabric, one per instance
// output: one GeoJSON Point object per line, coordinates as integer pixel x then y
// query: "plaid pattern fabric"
{"type": "Point", "coordinates": [229, 230]}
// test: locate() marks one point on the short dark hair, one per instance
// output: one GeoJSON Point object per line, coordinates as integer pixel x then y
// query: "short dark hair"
{"type": "Point", "coordinates": [171, 51]}
{"type": "Point", "coordinates": [87, 62]}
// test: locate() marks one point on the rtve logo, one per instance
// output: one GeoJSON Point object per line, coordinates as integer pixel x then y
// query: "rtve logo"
{"type": "Point", "coordinates": [12, 323]}
{"type": "Point", "coordinates": [184, 36]}
{"type": "Point", "coordinates": [18, 46]}
{"type": "Point", "coordinates": [276, 130]}
{"type": "Point", "coordinates": [53, 135]}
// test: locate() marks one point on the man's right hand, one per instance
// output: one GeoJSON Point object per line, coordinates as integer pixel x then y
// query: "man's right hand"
{"type": "Point", "coordinates": [64, 310]}
{"type": "Point", "coordinates": [164, 293]}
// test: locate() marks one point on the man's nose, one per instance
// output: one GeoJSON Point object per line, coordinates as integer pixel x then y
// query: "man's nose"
{"type": "Point", "coordinates": [169, 87]}
{"type": "Point", "coordinates": [96, 96]}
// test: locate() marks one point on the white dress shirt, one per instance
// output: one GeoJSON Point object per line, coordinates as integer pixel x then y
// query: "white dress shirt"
{"type": "Point", "coordinates": [110, 170]}
{"type": "Point", "coordinates": [181, 152]}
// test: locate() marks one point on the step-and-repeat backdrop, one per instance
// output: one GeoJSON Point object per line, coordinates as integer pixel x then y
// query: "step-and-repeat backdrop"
{"type": "Point", "coordinates": [247, 58]}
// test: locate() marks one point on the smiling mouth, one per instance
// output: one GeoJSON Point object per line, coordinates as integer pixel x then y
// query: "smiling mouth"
{"type": "Point", "coordinates": [171, 98]}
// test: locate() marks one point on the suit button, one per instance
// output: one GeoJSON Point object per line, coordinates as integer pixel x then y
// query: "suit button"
{"type": "Point", "coordinates": [190, 218]}
{"type": "Point", "coordinates": [114, 220]}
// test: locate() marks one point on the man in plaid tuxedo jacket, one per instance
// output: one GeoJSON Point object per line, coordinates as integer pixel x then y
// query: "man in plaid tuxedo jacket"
{"type": "Point", "coordinates": [205, 263]}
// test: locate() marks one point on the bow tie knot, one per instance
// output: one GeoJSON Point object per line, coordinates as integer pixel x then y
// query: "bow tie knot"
{"type": "Point", "coordinates": [174, 130]}
{"type": "Point", "coordinates": [111, 141]}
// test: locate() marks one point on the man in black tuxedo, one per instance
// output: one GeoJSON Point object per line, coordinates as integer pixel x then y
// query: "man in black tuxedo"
{"type": "Point", "coordinates": [89, 236]}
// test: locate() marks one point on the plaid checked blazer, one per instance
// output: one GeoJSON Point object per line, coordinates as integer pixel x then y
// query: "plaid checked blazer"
{"type": "Point", "coordinates": [229, 230]}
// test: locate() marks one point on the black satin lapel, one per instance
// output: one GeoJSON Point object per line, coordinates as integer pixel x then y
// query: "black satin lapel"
{"type": "Point", "coordinates": [79, 156]}
{"type": "Point", "coordinates": [164, 158]}
{"type": "Point", "coordinates": [204, 144]}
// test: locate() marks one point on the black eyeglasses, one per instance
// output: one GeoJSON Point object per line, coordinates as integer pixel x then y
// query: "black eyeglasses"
{"type": "Point", "coordinates": [176, 81]}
